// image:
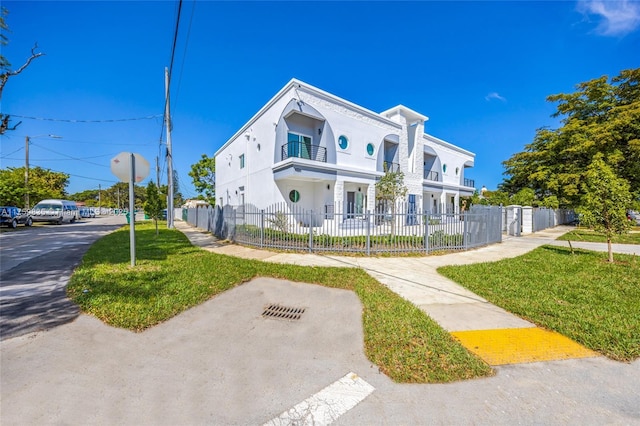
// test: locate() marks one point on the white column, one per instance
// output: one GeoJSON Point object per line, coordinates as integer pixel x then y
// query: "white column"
{"type": "Point", "coordinates": [338, 197]}
{"type": "Point", "coordinates": [513, 220]}
{"type": "Point", "coordinates": [527, 220]}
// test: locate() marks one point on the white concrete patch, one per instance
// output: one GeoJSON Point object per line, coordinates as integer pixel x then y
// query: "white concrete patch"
{"type": "Point", "coordinates": [326, 406]}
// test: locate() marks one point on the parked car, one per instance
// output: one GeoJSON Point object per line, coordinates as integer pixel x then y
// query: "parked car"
{"type": "Point", "coordinates": [55, 211]}
{"type": "Point", "coordinates": [87, 212]}
{"type": "Point", "coordinates": [633, 216]}
{"type": "Point", "coordinates": [13, 216]}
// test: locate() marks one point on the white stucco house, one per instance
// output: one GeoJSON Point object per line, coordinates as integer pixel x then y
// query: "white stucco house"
{"type": "Point", "coordinates": [314, 150]}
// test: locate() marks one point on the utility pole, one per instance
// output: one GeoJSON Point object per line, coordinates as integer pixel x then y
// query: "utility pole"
{"type": "Point", "coordinates": [169, 152]}
{"type": "Point", "coordinates": [27, 140]}
{"type": "Point", "coordinates": [118, 198]}
{"type": "Point", "coordinates": [99, 199]}
{"type": "Point", "coordinates": [26, 173]}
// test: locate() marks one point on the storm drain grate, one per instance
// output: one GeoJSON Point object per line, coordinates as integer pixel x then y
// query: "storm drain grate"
{"type": "Point", "coordinates": [282, 312]}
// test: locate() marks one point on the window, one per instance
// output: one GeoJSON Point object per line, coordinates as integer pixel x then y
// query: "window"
{"type": "Point", "coordinates": [241, 161]}
{"type": "Point", "coordinates": [444, 168]}
{"type": "Point", "coordinates": [298, 146]}
{"type": "Point", "coordinates": [343, 142]}
{"type": "Point", "coordinates": [294, 196]}
{"type": "Point", "coordinates": [457, 170]}
{"type": "Point", "coordinates": [370, 149]}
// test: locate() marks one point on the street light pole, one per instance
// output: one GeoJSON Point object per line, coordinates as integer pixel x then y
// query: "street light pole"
{"type": "Point", "coordinates": [27, 139]}
{"type": "Point", "coordinates": [26, 173]}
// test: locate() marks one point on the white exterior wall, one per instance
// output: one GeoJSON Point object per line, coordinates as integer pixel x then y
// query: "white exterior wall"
{"type": "Point", "coordinates": [257, 176]}
{"type": "Point", "coordinates": [452, 158]}
{"type": "Point", "coordinates": [359, 129]}
{"type": "Point", "coordinates": [345, 170]}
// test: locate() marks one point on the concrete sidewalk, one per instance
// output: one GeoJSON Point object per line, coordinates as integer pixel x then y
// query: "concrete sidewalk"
{"type": "Point", "coordinates": [416, 279]}
{"type": "Point", "coordinates": [222, 362]}
{"type": "Point", "coordinates": [413, 278]}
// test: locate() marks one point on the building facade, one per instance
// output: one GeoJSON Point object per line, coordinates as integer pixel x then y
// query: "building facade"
{"type": "Point", "coordinates": [314, 150]}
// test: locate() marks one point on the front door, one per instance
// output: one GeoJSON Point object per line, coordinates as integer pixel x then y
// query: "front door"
{"type": "Point", "coordinates": [412, 218]}
{"type": "Point", "coordinates": [351, 204]}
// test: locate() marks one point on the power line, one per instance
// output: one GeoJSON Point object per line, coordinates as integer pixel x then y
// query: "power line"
{"type": "Point", "coordinates": [68, 156]}
{"type": "Point", "coordinates": [175, 40]}
{"type": "Point", "coordinates": [64, 159]}
{"type": "Point", "coordinates": [84, 177]}
{"type": "Point", "coordinates": [171, 60]}
{"type": "Point", "coordinates": [11, 153]}
{"type": "Point", "coordinates": [184, 54]}
{"type": "Point", "coordinates": [59, 141]}
{"type": "Point", "coordinates": [115, 120]}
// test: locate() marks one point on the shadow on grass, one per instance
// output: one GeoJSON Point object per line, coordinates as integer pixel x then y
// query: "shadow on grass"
{"type": "Point", "coordinates": [149, 246]}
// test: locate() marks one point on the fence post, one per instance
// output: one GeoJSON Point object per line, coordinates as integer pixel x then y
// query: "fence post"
{"type": "Point", "coordinates": [426, 233]}
{"type": "Point", "coordinates": [487, 226]}
{"type": "Point", "coordinates": [310, 231]}
{"type": "Point", "coordinates": [262, 228]}
{"type": "Point", "coordinates": [368, 245]}
{"type": "Point", "coordinates": [465, 236]}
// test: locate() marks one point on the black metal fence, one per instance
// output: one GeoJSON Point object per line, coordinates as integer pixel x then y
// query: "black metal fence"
{"type": "Point", "coordinates": [395, 229]}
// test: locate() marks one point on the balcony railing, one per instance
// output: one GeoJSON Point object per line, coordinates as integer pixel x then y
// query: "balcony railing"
{"type": "Point", "coordinates": [388, 166]}
{"type": "Point", "coordinates": [431, 175]}
{"type": "Point", "coordinates": [304, 150]}
{"type": "Point", "coordinates": [470, 183]}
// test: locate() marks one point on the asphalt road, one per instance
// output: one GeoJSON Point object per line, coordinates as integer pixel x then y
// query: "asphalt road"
{"type": "Point", "coordinates": [35, 266]}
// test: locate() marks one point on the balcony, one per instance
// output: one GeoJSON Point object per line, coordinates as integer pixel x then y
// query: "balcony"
{"type": "Point", "coordinates": [390, 167]}
{"type": "Point", "coordinates": [304, 150]}
{"type": "Point", "coordinates": [431, 175]}
{"type": "Point", "coordinates": [470, 183]}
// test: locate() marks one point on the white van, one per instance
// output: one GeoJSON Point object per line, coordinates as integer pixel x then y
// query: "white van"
{"type": "Point", "coordinates": [55, 211]}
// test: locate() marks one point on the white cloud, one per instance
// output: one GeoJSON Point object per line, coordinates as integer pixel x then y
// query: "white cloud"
{"type": "Point", "coordinates": [495, 95]}
{"type": "Point", "coordinates": [617, 18]}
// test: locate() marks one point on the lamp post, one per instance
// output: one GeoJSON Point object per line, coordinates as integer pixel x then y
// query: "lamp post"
{"type": "Point", "coordinates": [27, 139]}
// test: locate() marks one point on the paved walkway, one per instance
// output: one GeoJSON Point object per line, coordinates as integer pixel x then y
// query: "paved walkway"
{"type": "Point", "coordinates": [467, 316]}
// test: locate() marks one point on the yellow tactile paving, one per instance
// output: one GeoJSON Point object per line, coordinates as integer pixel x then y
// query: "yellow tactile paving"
{"type": "Point", "coordinates": [520, 345]}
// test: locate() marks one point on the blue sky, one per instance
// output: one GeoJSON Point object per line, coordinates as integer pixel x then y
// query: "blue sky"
{"type": "Point", "coordinates": [481, 71]}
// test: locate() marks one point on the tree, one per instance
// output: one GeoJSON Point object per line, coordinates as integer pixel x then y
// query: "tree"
{"type": "Point", "coordinates": [153, 205]}
{"type": "Point", "coordinates": [178, 199]}
{"type": "Point", "coordinates": [5, 68]}
{"type": "Point", "coordinates": [524, 197]}
{"type": "Point", "coordinates": [117, 196]}
{"type": "Point", "coordinates": [495, 198]}
{"type": "Point", "coordinates": [389, 189]}
{"type": "Point", "coordinates": [43, 183]}
{"type": "Point", "coordinates": [601, 117]}
{"type": "Point", "coordinates": [605, 201]}
{"type": "Point", "coordinates": [203, 174]}
{"type": "Point", "coordinates": [89, 197]}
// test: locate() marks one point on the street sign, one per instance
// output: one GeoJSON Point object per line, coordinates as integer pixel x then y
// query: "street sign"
{"type": "Point", "coordinates": [121, 167]}
{"type": "Point", "coordinates": [130, 167]}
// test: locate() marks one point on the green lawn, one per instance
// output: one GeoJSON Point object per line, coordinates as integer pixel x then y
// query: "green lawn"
{"type": "Point", "coordinates": [581, 296]}
{"type": "Point", "coordinates": [596, 237]}
{"type": "Point", "coordinates": [171, 276]}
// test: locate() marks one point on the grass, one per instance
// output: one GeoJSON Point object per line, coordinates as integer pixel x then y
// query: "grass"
{"type": "Point", "coordinates": [171, 276]}
{"type": "Point", "coordinates": [596, 237]}
{"type": "Point", "coordinates": [580, 296]}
